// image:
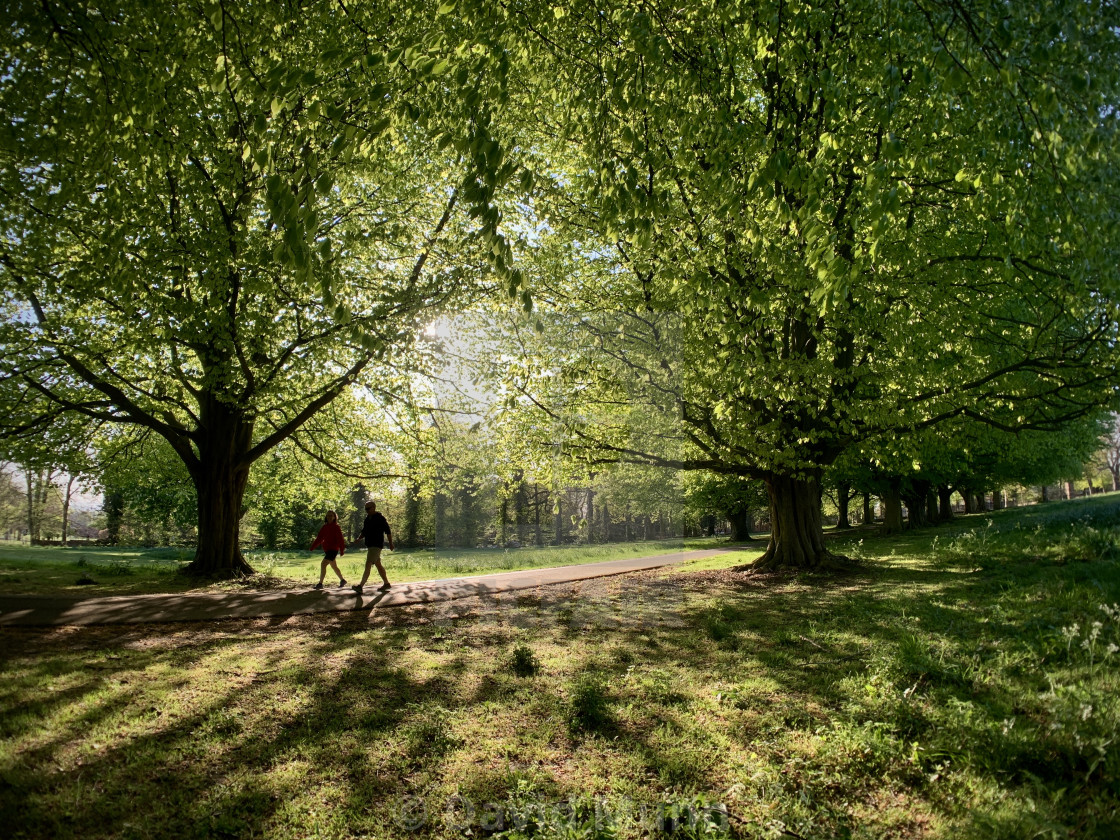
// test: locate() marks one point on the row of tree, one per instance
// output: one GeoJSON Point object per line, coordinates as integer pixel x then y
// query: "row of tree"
{"type": "Point", "coordinates": [754, 240]}
{"type": "Point", "coordinates": [149, 498]}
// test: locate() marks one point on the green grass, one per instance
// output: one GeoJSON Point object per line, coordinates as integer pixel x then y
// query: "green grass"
{"type": "Point", "coordinates": [962, 684]}
{"type": "Point", "coordinates": [122, 571]}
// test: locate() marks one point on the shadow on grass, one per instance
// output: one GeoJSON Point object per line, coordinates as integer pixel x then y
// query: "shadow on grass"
{"type": "Point", "coordinates": [906, 678]}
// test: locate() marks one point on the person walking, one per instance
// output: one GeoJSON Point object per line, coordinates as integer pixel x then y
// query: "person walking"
{"type": "Point", "coordinates": [374, 531]}
{"type": "Point", "coordinates": [334, 545]}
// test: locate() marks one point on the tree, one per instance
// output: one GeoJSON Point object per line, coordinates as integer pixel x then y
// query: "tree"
{"type": "Point", "coordinates": [963, 456]}
{"type": "Point", "coordinates": [217, 218]}
{"type": "Point", "coordinates": [796, 226]}
{"type": "Point", "coordinates": [1110, 450]}
{"type": "Point", "coordinates": [735, 499]}
{"type": "Point", "coordinates": [54, 461]}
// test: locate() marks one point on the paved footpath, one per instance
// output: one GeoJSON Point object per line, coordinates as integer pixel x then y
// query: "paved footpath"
{"type": "Point", "coordinates": [32, 610]}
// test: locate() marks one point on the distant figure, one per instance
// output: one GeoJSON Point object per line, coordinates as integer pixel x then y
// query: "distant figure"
{"type": "Point", "coordinates": [374, 531]}
{"type": "Point", "coordinates": [330, 537]}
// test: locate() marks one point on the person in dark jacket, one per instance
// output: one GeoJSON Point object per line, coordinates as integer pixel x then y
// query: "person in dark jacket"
{"type": "Point", "coordinates": [374, 532]}
{"type": "Point", "coordinates": [330, 537]}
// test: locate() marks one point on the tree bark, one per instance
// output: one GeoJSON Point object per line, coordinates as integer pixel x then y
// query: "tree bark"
{"type": "Point", "coordinates": [503, 519]}
{"type": "Point", "coordinates": [558, 521]}
{"type": "Point", "coordinates": [589, 519]}
{"type": "Point", "coordinates": [867, 517]}
{"type": "Point", "coordinates": [412, 515]}
{"type": "Point", "coordinates": [32, 529]}
{"type": "Point", "coordinates": [354, 520]}
{"type": "Point", "coordinates": [539, 499]}
{"type": "Point", "coordinates": [114, 513]}
{"type": "Point", "coordinates": [740, 525]}
{"type": "Point", "coordinates": [521, 510]}
{"type": "Point", "coordinates": [66, 509]}
{"type": "Point", "coordinates": [843, 496]}
{"type": "Point", "coordinates": [931, 506]}
{"type": "Point", "coordinates": [892, 509]}
{"type": "Point", "coordinates": [796, 533]}
{"type": "Point", "coordinates": [439, 509]}
{"type": "Point", "coordinates": [468, 518]}
{"type": "Point", "coordinates": [219, 480]}
{"type": "Point", "coordinates": [945, 503]}
{"type": "Point", "coordinates": [917, 505]}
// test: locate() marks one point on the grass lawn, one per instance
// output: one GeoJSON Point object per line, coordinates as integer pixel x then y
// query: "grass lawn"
{"type": "Point", "coordinates": [120, 571]}
{"type": "Point", "coordinates": [963, 684]}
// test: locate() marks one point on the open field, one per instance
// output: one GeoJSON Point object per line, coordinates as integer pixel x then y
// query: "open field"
{"type": "Point", "coordinates": [962, 684]}
{"type": "Point", "coordinates": [121, 571]}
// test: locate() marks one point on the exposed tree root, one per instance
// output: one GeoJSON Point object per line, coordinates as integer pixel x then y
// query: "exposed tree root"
{"type": "Point", "coordinates": [199, 568]}
{"type": "Point", "coordinates": [825, 562]}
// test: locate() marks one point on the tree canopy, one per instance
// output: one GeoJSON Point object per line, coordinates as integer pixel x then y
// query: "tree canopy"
{"type": "Point", "coordinates": [217, 218]}
{"type": "Point", "coordinates": [815, 223]}
{"type": "Point", "coordinates": [757, 234]}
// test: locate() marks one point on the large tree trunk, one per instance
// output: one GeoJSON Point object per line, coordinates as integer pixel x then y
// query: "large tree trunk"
{"type": "Point", "coordinates": [796, 535]}
{"type": "Point", "coordinates": [843, 496]}
{"type": "Point", "coordinates": [1115, 478]}
{"type": "Point", "coordinates": [439, 510]}
{"type": "Point", "coordinates": [740, 525]}
{"type": "Point", "coordinates": [892, 509]}
{"type": "Point", "coordinates": [412, 515]}
{"type": "Point", "coordinates": [219, 480]}
{"type": "Point", "coordinates": [945, 503]}
{"type": "Point", "coordinates": [358, 496]}
{"type": "Point", "coordinates": [468, 517]}
{"type": "Point", "coordinates": [917, 504]}
{"type": "Point", "coordinates": [931, 506]}
{"type": "Point", "coordinates": [114, 513]}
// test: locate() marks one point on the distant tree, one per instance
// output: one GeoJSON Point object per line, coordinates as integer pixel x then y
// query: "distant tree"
{"type": "Point", "coordinates": [1110, 451]}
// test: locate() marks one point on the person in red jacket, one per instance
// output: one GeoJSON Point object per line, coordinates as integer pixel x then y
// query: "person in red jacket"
{"type": "Point", "coordinates": [330, 537]}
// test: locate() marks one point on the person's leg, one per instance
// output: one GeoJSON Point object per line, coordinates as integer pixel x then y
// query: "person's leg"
{"type": "Point", "coordinates": [372, 555]}
{"type": "Point", "coordinates": [381, 570]}
{"type": "Point", "coordinates": [322, 571]}
{"type": "Point", "coordinates": [341, 579]}
{"type": "Point", "coordinates": [373, 558]}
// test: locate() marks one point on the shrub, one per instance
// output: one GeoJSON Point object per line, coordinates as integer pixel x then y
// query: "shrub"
{"type": "Point", "coordinates": [523, 662]}
{"type": "Point", "coordinates": [589, 705]}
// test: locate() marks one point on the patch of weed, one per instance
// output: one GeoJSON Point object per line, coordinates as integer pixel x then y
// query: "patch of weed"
{"type": "Point", "coordinates": [523, 662]}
